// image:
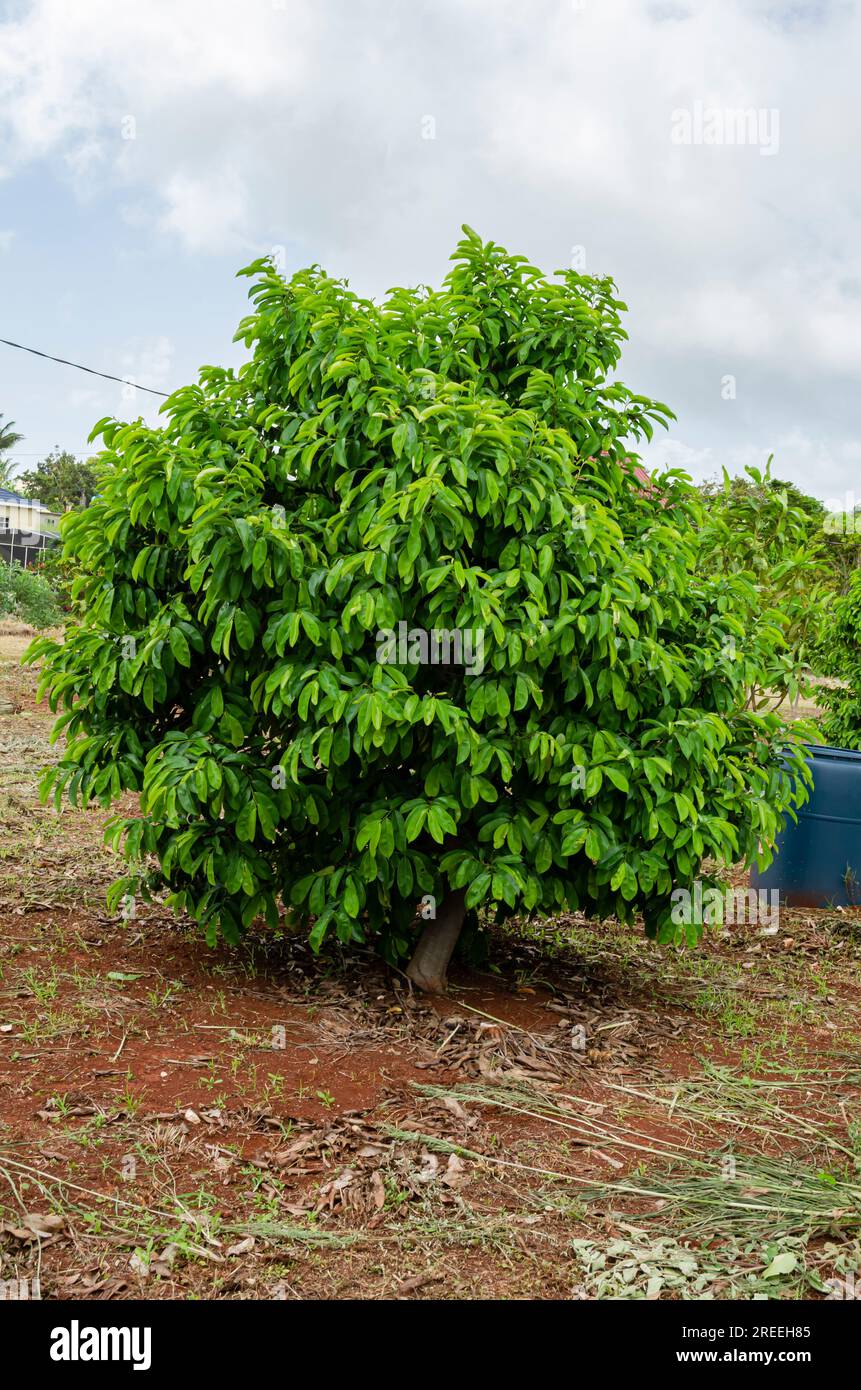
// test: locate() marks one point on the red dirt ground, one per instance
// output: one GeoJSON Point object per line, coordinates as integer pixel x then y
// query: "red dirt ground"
{"type": "Point", "coordinates": [178, 1122]}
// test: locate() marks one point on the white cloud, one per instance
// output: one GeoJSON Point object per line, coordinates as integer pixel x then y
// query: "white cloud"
{"type": "Point", "coordinates": [301, 124]}
{"type": "Point", "coordinates": [206, 214]}
{"type": "Point", "coordinates": [143, 363]}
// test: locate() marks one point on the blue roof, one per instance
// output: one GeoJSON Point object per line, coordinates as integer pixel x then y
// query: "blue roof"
{"type": "Point", "coordinates": [7, 496]}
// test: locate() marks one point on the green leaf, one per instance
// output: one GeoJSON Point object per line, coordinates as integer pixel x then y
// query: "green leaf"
{"type": "Point", "coordinates": [784, 1263]}
{"type": "Point", "coordinates": [351, 898]}
{"type": "Point", "coordinates": [246, 822]}
{"type": "Point", "coordinates": [179, 646]}
{"type": "Point", "coordinates": [244, 630]}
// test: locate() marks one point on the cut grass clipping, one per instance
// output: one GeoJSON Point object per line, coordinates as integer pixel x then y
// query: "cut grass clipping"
{"type": "Point", "coordinates": [768, 1224]}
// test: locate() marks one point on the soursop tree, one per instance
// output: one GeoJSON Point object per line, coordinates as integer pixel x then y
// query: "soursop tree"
{"type": "Point", "coordinates": [387, 627]}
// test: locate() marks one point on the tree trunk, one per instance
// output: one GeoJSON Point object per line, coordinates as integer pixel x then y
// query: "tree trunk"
{"type": "Point", "coordinates": [436, 943]}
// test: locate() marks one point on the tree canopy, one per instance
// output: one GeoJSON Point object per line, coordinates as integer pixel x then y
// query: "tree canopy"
{"type": "Point", "coordinates": [9, 437]}
{"type": "Point", "coordinates": [268, 581]}
{"type": "Point", "coordinates": [60, 481]}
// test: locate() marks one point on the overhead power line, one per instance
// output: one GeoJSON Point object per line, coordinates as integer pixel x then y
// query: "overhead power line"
{"type": "Point", "coordinates": [92, 371]}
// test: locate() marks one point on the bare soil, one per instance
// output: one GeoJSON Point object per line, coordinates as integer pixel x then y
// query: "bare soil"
{"type": "Point", "coordinates": [590, 1116]}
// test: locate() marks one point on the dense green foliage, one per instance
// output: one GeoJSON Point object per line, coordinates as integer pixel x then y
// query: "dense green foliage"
{"type": "Point", "coordinates": [59, 481]}
{"type": "Point", "coordinates": [29, 596]}
{"type": "Point", "coordinates": [798, 552]}
{"type": "Point", "coordinates": [766, 530]}
{"type": "Point", "coordinates": [455, 459]}
{"type": "Point", "coordinates": [841, 724]}
{"type": "Point", "coordinates": [58, 573]}
{"type": "Point", "coordinates": [841, 532]}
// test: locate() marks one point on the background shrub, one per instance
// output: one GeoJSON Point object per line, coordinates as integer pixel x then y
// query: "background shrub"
{"type": "Point", "coordinates": [28, 595]}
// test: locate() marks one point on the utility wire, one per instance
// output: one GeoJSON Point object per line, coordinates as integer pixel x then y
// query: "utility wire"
{"type": "Point", "coordinates": [66, 363]}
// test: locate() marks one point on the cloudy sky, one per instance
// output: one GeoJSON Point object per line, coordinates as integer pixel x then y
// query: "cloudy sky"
{"type": "Point", "coordinates": [148, 151]}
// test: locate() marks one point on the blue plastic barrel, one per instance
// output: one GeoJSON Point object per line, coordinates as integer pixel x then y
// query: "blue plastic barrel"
{"type": "Point", "coordinates": [818, 860]}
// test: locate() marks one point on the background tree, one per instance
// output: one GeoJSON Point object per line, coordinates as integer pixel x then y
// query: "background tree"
{"type": "Point", "coordinates": [833, 539]}
{"type": "Point", "coordinates": [454, 460]}
{"type": "Point", "coordinates": [770, 534]}
{"type": "Point", "coordinates": [842, 545]}
{"type": "Point", "coordinates": [61, 481]}
{"type": "Point", "coordinates": [9, 437]}
{"type": "Point", "coordinates": [841, 658]}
